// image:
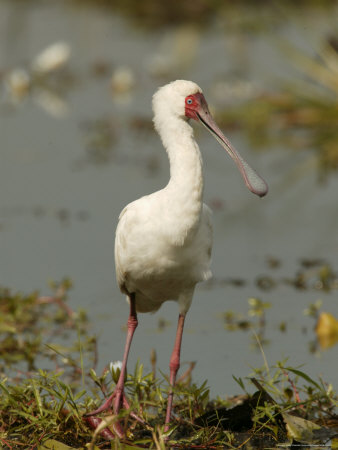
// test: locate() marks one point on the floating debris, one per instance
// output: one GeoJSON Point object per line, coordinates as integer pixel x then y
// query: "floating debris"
{"type": "Point", "coordinates": [234, 321]}
{"type": "Point", "coordinates": [122, 84]}
{"type": "Point", "coordinates": [122, 80]}
{"type": "Point", "coordinates": [313, 309]}
{"type": "Point", "coordinates": [309, 263]}
{"type": "Point", "coordinates": [52, 58]}
{"type": "Point", "coordinates": [316, 275]}
{"type": "Point", "coordinates": [273, 262]}
{"type": "Point", "coordinates": [100, 68]}
{"type": "Point", "coordinates": [265, 283]}
{"type": "Point", "coordinates": [162, 324]}
{"type": "Point", "coordinates": [63, 215]}
{"type": "Point", "coordinates": [100, 136]}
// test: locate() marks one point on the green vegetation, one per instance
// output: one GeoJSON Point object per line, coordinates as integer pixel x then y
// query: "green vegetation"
{"type": "Point", "coordinates": [44, 408]}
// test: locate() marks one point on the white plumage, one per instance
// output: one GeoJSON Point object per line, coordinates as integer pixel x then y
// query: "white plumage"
{"type": "Point", "coordinates": [163, 240]}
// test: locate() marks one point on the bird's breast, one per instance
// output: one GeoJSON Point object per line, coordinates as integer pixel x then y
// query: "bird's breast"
{"type": "Point", "coordinates": [160, 254]}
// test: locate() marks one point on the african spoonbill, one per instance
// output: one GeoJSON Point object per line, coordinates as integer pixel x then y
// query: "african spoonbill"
{"type": "Point", "coordinates": [163, 240]}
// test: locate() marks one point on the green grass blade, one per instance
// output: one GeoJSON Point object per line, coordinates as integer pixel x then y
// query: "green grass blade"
{"type": "Point", "coordinates": [304, 376]}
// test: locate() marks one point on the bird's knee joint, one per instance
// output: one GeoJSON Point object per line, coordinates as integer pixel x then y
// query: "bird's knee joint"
{"type": "Point", "coordinates": [174, 365]}
{"type": "Point", "coordinates": [132, 322]}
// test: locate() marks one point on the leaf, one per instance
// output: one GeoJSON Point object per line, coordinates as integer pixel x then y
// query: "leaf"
{"type": "Point", "coordinates": [52, 444]}
{"type": "Point", "coordinates": [300, 429]}
{"type": "Point", "coordinates": [304, 376]}
{"type": "Point", "coordinates": [240, 382]}
{"type": "Point", "coordinates": [80, 394]}
{"type": "Point", "coordinates": [6, 328]}
{"type": "Point", "coordinates": [4, 388]}
{"type": "Point", "coordinates": [308, 432]}
{"type": "Point", "coordinates": [37, 397]}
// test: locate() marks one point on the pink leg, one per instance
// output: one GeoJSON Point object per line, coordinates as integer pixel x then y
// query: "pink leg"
{"type": "Point", "coordinates": [174, 366]}
{"type": "Point", "coordinates": [131, 325]}
{"type": "Point", "coordinates": [117, 398]}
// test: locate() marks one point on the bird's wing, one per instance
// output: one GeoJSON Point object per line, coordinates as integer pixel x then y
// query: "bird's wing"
{"type": "Point", "coordinates": [127, 238]}
{"type": "Point", "coordinates": [207, 216]}
{"type": "Point", "coordinates": [120, 247]}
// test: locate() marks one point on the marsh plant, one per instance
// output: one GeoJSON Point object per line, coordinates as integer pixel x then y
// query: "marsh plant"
{"type": "Point", "coordinates": [49, 381]}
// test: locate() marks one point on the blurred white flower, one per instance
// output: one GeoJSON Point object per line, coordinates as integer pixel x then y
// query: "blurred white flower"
{"type": "Point", "coordinates": [18, 83]}
{"type": "Point", "coordinates": [52, 58]}
{"type": "Point", "coordinates": [52, 103]}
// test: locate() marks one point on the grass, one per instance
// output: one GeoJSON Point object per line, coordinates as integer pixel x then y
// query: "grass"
{"type": "Point", "coordinates": [43, 408]}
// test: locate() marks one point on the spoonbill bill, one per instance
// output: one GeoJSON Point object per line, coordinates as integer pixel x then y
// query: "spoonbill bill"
{"type": "Point", "coordinates": [163, 240]}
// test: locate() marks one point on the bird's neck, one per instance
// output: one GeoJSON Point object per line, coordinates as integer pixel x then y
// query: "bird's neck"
{"type": "Point", "coordinates": [185, 188]}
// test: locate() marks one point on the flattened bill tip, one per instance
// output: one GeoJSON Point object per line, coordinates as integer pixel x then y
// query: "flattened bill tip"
{"type": "Point", "coordinates": [262, 190]}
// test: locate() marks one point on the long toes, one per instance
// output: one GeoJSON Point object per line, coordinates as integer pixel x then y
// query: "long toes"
{"type": "Point", "coordinates": [94, 422]}
{"type": "Point", "coordinates": [105, 405]}
{"type": "Point", "coordinates": [136, 417]}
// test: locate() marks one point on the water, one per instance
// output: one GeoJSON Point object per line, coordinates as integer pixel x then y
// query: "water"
{"type": "Point", "coordinates": [59, 208]}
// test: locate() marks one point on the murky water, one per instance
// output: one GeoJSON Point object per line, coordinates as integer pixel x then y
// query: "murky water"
{"type": "Point", "coordinates": [60, 203]}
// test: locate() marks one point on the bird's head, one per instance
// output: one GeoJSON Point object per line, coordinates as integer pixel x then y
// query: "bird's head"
{"type": "Point", "coordinates": [185, 100]}
{"type": "Point", "coordinates": [170, 100]}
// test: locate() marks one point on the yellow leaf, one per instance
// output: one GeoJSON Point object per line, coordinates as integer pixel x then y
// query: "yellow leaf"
{"type": "Point", "coordinates": [327, 330]}
{"type": "Point", "coordinates": [299, 429]}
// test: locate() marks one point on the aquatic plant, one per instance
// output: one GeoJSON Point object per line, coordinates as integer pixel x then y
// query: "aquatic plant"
{"type": "Point", "coordinates": [44, 408]}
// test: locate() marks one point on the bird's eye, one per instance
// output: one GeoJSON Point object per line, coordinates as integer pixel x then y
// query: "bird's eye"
{"type": "Point", "coordinates": [189, 101]}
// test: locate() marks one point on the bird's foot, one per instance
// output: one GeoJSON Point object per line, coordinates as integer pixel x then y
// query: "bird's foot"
{"type": "Point", "coordinates": [107, 404]}
{"type": "Point", "coordinates": [114, 402]}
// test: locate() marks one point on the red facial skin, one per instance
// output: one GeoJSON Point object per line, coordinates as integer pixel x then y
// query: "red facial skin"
{"type": "Point", "coordinates": [193, 103]}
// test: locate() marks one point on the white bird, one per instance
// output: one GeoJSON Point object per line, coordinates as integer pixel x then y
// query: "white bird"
{"type": "Point", "coordinates": [163, 240]}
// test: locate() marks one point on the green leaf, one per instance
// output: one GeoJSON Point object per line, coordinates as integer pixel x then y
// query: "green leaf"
{"type": "Point", "coordinates": [37, 397]}
{"type": "Point", "coordinates": [304, 376]}
{"type": "Point", "coordinates": [5, 328]}
{"type": "Point", "coordinates": [300, 429]}
{"type": "Point", "coordinates": [79, 394]}
{"type": "Point", "coordinates": [4, 388]}
{"type": "Point", "coordinates": [52, 444]}
{"type": "Point", "coordinates": [240, 382]}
